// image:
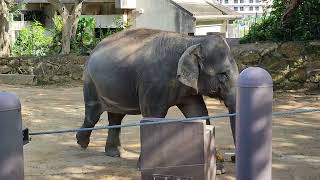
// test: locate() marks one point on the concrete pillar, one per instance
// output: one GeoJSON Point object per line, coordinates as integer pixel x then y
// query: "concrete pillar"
{"type": "Point", "coordinates": [254, 125]}
{"type": "Point", "coordinates": [11, 138]}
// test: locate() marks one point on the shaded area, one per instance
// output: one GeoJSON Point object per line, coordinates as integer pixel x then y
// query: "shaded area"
{"type": "Point", "coordinates": [295, 138]}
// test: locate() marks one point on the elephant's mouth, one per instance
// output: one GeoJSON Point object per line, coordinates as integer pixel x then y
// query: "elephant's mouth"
{"type": "Point", "coordinates": [219, 92]}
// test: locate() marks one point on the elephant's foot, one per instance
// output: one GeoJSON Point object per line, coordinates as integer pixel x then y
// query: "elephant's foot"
{"type": "Point", "coordinates": [83, 139]}
{"type": "Point", "coordinates": [220, 168]}
{"type": "Point", "coordinates": [114, 151]}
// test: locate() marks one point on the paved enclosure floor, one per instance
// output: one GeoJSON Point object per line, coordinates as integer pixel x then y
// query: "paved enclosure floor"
{"type": "Point", "coordinates": [296, 143]}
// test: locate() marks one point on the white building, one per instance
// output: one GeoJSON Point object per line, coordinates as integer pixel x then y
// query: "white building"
{"type": "Point", "coordinates": [245, 7]}
{"type": "Point", "coordinates": [184, 16]}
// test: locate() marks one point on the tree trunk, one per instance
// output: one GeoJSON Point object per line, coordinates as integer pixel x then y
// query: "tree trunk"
{"type": "Point", "coordinates": [4, 29]}
{"type": "Point", "coordinates": [70, 22]}
{"type": "Point", "coordinates": [75, 17]}
{"type": "Point", "coordinates": [291, 7]}
{"type": "Point", "coordinates": [66, 36]}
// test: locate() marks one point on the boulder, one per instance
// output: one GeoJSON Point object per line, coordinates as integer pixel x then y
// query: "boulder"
{"type": "Point", "coordinates": [291, 49]}
{"type": "Point", "coordinates": [5, 69]}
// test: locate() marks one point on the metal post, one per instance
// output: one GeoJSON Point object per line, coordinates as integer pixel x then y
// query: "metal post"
{"type": "Point", "coordinates": [254, 125]}
{"type": "Point", "coordinates": [11, 145]}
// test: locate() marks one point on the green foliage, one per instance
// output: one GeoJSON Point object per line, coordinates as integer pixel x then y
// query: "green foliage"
{"type": "Point", "coordinates": [33, 40]}
{"type": "Point", "coordinates": [38, 41]}
{"type": "Point", "coordinates": [85, 36]}
{"type": "Point", "coordinates": [247, 22]}
{"type": "Point", "coordinates": [56, 35]}
{"type": "Point", "coordinates": [86, 39]}
{"type": "Point", "coordinates": [15, 9]}
{"type": "Point", "coordinates": [304, 24]}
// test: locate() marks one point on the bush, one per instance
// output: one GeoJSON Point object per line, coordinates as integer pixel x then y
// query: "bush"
{"type": "Point", "coordinates": [56, 31]}
{"type": "Point", "coordinates": [33, 40]}
{"type": "Point", "coordinates": [304, 24]}
{"type": "Point", "coordinates": [85, 36]}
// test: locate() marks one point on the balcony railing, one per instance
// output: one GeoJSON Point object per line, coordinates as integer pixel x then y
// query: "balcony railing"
{"type": "Point", "coordinates": [18, 25]}
{"type": "Point", "coordinates": [108, 21]}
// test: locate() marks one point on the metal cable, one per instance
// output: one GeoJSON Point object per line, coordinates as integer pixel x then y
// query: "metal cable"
{"type": "Point", "coordinates": [167, 120]}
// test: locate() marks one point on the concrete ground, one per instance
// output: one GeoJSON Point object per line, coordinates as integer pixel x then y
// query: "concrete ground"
{"type": "Point", "coordinates": [296, 144]}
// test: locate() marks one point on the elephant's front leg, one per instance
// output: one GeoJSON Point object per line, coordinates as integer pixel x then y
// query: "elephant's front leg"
{"type": "Point", "coordinates": [195, 107]}
{"type": "Point", "coordinates": [113, 145]}
{"type": "Point", "coordinates": [153, 104]}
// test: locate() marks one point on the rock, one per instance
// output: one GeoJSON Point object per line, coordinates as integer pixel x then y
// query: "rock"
{"type": "Point", "coordinates": [314, 76]}
{"type": "Point", "coordinates": [291, 49]}
{"type": "Point", "coordinates": [269, 49]}
{"type": "Point", "coordinates": [55, 78]}
{"type": "Point", "coordinates": [248, 57]}
{"type": "Point", "coordinates": [5, 69]}
{"type": "Point", "coordinates": [314, 43]}
{"type": "Point", "coordinates": [30, 69]}
{"type": "Point", "coordinates": [76, 71]}
{"type": "Point", "coordinates": [14, 62]}
{"type": "Point", "coordinates": [299, 75]}
{"type": "Point", "coordinates": [299, 63]}
{"type": "Point", "coordinates": [42, 69]}
{"type": "Point", "coordinates": [30, 62]}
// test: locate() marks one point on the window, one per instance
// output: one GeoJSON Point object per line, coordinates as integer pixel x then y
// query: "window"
{"type": "Point", "coordinates": [235, 8]}
{"type": "Point", "coordinates": [250, 1]}
{"type": "Point", "coordinates": [226, 1]}
{"type": "Point", "coordinates": [241, 8]}
{"type": "Point", "coordinates": [257, 1]}
{"type": "Point", "coordinates": [236, 1]}
{"type": "Point", "coordinates": [250, 8]}
{"type": "Point", "coordinates": [257, 8]}
{"type": "Point", "coordinates": [241, 1]}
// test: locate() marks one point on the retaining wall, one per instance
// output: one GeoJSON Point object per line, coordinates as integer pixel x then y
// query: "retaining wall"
{"type": "Point", "coordinates": [293, 65]}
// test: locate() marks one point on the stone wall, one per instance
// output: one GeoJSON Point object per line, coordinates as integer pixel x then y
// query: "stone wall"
{"type": "Point", "coordinates": [46, 70]}
{"type": "Point", "coordinates": [293, 65]}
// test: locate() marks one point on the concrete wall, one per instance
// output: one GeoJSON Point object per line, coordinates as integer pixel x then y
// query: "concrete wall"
{"type": "Point", "coordinates": [162, 14]}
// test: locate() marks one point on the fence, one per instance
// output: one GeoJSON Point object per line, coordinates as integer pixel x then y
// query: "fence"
{"type": "Point", "coordinates": [253, 128]}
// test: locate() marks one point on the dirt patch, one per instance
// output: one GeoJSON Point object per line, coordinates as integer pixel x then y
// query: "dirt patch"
{"type": "Point", "coordinates": [295, 138]}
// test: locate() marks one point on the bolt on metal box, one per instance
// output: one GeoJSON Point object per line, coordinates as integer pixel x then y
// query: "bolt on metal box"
{"type": "Point", "coordinates": [177, 151]}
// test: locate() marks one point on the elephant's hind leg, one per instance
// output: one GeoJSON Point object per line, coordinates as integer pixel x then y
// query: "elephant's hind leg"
{"type": "Point", "coordinates": [93, 111]}
{"type": "Point", "coordinates": [113, 145]}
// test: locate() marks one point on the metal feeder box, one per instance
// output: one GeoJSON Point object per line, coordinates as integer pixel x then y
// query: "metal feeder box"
{"type": "Point", "coordinates": [177, 151]}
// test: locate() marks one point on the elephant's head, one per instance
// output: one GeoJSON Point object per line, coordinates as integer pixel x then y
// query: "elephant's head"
{"type": "Point", "coordinates": [209, 68]}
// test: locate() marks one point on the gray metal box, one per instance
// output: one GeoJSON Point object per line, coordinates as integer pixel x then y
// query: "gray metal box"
{"type": "Point", "coordinates": [177, 151]}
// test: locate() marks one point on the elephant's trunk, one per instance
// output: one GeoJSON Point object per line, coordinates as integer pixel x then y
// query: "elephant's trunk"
{"type": "Point", "coordinates": [230, 103]}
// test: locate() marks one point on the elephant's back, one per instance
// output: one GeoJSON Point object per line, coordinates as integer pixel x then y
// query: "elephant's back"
{"type": "Point", "coordinates": [127, 42]}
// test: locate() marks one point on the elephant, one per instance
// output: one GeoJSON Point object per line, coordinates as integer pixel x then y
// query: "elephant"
{"type": "Point", "coordinates": [147, 71]}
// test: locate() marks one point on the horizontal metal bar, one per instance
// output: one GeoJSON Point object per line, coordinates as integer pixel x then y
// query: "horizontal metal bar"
{"type": "Point", "coordinates": [166, 120]}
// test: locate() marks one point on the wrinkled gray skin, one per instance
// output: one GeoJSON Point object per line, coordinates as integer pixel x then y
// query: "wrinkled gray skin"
{"type": "Point", "coordinates": [145, 71]}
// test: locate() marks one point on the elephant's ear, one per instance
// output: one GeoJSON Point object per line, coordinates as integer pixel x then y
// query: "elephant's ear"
{"type": "Point", "coordinates": [189, 66]}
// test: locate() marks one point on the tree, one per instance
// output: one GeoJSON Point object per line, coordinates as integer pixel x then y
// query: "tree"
{"type": "Point", "coordinates": [70, 21]}
{"type": "Point", "coordinates": [4, 28]}
{"type": "Point", "coordinates": [291, 6]}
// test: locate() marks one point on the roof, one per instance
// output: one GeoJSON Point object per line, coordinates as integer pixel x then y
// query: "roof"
{"type": "Point", "coordinates": [205, 10]}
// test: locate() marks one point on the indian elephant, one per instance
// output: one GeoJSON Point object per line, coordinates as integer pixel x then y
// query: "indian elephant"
{"type": "Point", "coordinates": [145, 71]}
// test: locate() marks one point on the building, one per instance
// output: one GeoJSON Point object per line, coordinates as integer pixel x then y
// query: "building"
{"type": "Point", "coordinates": [184, 16]}
{"type": "Point", "coordinates": [246, 7]}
